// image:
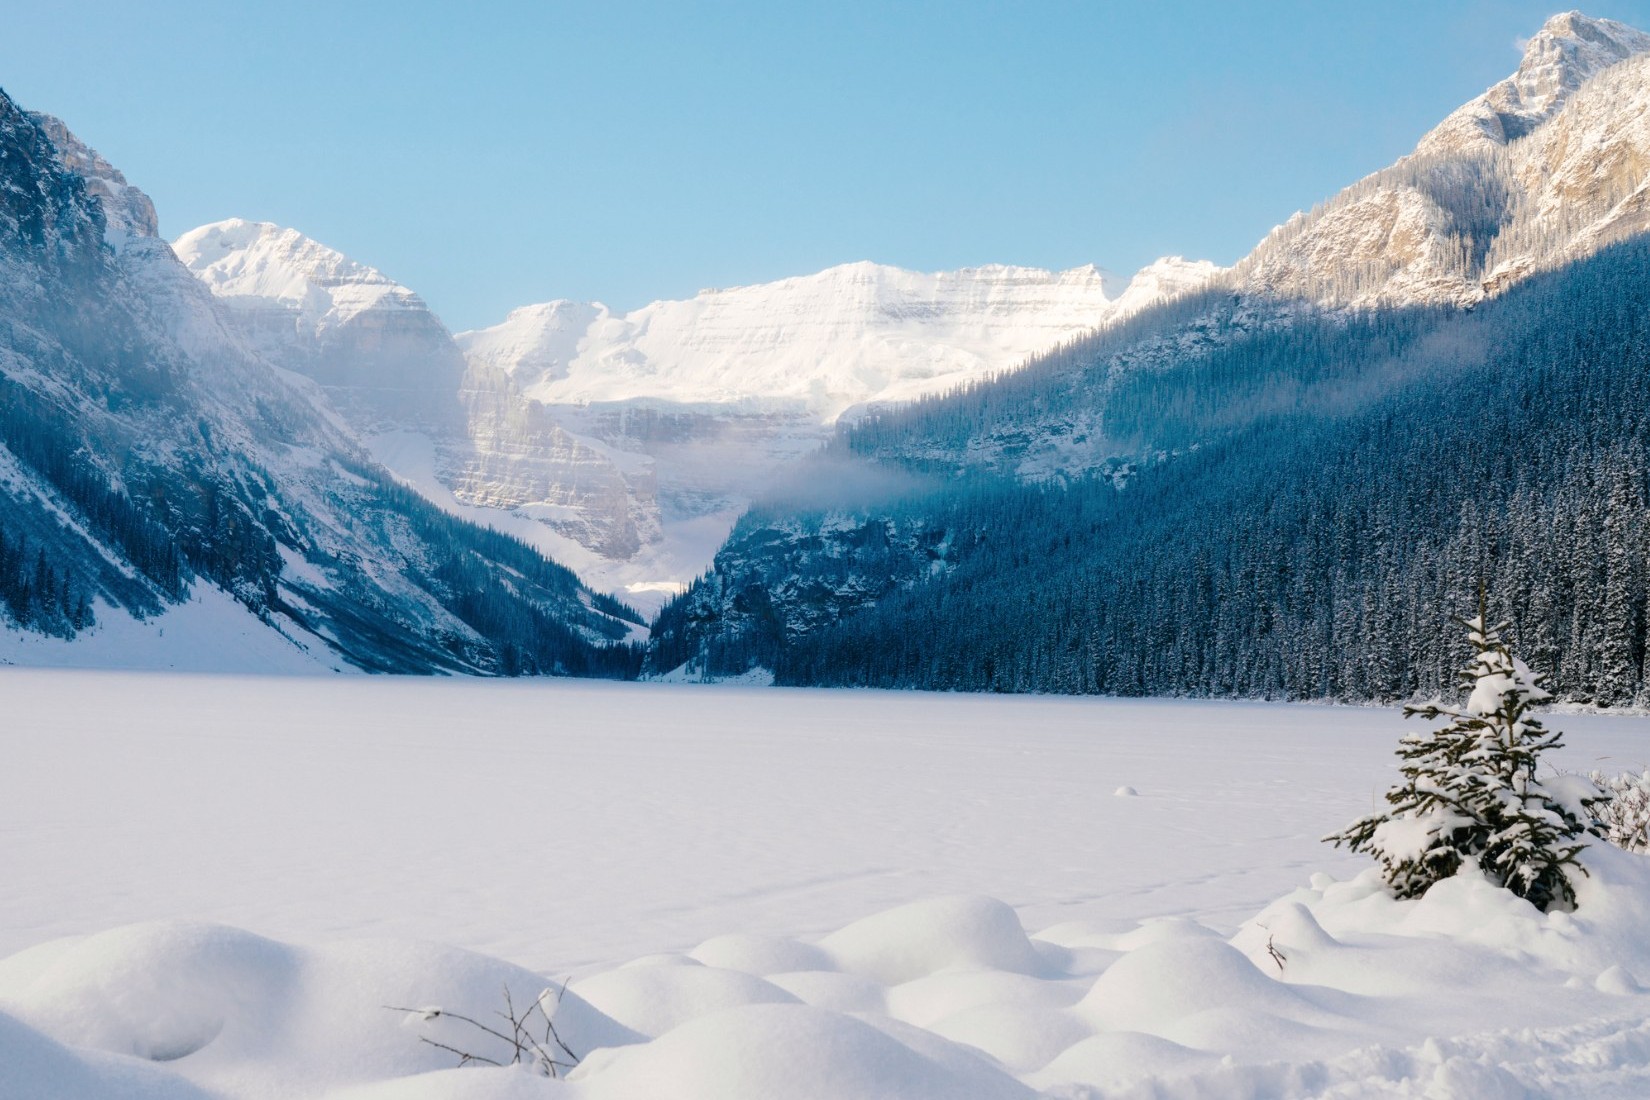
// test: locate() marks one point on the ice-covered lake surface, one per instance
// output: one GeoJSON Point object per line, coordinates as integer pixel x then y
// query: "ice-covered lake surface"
{"type": "Point", "coordinates": [213, 884]}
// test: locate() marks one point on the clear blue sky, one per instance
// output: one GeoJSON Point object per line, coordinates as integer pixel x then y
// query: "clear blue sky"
{"type": "Point", "coordinates": [490, 154]}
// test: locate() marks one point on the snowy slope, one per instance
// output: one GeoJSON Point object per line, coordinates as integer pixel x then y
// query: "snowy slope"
{"type": "Point", "coordinates": [208, 632]}
{"type": "Point", "coordinates": [257, 265]}
{"type": "Point", "coordinates": [1569, 50]}
{"type": "Point", "coordinates": [856, 333]}
{"type": "Point", "coordinates": [797, 923]}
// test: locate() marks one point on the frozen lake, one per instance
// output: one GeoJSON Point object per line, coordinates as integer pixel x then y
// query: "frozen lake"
{"type": "Point", "coordinates": [215, 885]}
{"type": "Point", "coordinates": [564, 824]}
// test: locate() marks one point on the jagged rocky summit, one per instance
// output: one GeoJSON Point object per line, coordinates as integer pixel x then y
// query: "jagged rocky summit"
{"type": "Point", "coordinates": [1544, 168]}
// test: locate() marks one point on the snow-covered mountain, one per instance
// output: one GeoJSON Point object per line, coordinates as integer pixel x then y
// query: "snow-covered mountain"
{"type": "Point", "coordinates": [1363, 417]}
{"type": "Point", "coordinates": [697, 407]}
{"type": "Point", "coordinates": [1569, 50]}
{"type": "Point", "coordinates": [1547, 166]}
{"type": "Point", "coordinates": [154, 466]}
{"type": "Point", "coordinates": [627, 444]}
{"type": "Point", "coordinates": [373, 345]}
{"type": "Point", "coordinates": [823, 343]}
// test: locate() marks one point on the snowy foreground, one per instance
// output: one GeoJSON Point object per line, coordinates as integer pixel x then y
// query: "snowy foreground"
{"type": "Point", "coordinates": [803, 880]}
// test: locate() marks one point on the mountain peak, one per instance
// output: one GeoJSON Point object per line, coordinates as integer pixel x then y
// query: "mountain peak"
{"type": "Point", "coordinates": [1569, 50]}
{"type": "Point", "coordinates": [1575, 24]}
{"type": "Point", "coordinates": [251, 264]}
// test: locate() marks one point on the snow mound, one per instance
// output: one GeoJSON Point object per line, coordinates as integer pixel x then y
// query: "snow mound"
{"type": "Point", "coordinates": [34, 1066]}
{"type": "Point", "coordinates": [1338, 989]}
{"type": "Point", "coordinates": [924, 937]}
{"type": "Point", "coordinates": [761, 1052]}
{"type": "Point", "coordinates": [761, 955]}
{"type": "Point", "coordinates": [242, 1015]}
{"type": "Point", "coordinates": [653, 999]}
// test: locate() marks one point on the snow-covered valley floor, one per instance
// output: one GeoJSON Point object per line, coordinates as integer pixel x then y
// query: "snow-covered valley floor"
{"type": "Point", "coordinates": [213, 885]}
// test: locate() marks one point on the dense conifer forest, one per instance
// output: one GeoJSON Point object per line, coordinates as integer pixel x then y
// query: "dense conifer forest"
{"type": "Point", "coordinates": [1292, 508]}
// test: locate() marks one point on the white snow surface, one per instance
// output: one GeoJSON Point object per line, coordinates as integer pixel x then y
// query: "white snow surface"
{"type": "Point", "coordinates": [210, 631]}
{"type": "Point", "coordinates": [805, 883]}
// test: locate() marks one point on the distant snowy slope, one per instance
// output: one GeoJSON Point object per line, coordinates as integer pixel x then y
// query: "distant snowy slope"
{"type": "Point", "coordinates": [1569, 50]}
{"type": "Point", "coordinates": [534, 344]}
{"type": "Point", "coordinates": [854, 333]}
{"type": "Point", "coordinates": [252, 263]}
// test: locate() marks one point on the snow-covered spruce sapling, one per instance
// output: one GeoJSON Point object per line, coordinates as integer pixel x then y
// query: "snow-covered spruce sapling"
{"type": "Point", "coordinates": [1470, 794]}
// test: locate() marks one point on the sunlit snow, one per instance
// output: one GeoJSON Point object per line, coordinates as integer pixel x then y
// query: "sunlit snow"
{"type": "Point", "coordinates": [834, 895]}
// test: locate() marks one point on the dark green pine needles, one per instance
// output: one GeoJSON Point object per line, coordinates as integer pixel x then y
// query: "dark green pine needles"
{"type": "Point", "coordinates": [1470, 795]}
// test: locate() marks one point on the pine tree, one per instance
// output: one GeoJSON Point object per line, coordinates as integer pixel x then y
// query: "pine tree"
{"type": "Point", "coordinates": [1470, 795]}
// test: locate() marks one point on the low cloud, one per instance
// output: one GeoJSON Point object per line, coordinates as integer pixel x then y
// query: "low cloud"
{"type": "Point", "coordinates": [832, 479]}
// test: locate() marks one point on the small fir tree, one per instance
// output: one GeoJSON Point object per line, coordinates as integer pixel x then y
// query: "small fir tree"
{"type": "Point", "coordinates": [1470, 793]}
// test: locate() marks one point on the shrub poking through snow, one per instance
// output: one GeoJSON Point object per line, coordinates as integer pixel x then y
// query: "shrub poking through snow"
{"type": "Point", "coordinates": [1623, 814]}
{"type": "Point", "coordinates": [1470, 796]}
{"type": "Point", "coordinates": [548, 1057]}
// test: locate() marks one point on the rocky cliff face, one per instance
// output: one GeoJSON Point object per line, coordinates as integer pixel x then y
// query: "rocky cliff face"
{"type": "Point", "coordinates": [127, 212]}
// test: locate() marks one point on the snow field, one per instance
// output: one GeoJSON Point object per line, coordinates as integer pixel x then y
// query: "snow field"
{"type": "Point", "coordinates": [208, 632]}
{"type": "Point", "coordinates": [1182, 946]}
